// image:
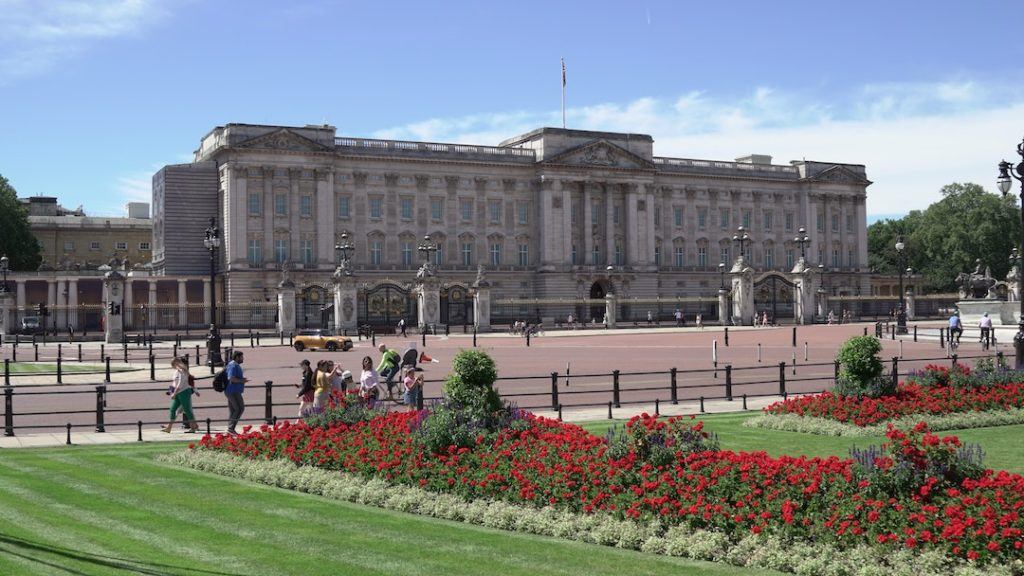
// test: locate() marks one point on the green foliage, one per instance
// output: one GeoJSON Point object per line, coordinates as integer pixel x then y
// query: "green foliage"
{"type": "Point", "coordinates": [946, 238]}
{"type": "Point", "coordinates": [861, 369]}
{"type": "Point", "coordinates": [471, 383]}
{"type": "Point", "coordinates": [348, 410]}
{"type": "Point", "coordinates": [16, 240]}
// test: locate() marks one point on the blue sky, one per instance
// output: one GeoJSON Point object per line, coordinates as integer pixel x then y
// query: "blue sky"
{"type": "Point", "coordinates": [96, 96]}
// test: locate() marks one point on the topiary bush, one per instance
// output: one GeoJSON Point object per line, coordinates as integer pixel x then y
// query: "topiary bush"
{"type": "Point", "coordinates": [861, 369]}
{"type": "Point", "coordinates": [471, 383]}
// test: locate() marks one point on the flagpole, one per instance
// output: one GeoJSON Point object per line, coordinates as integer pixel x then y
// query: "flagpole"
{"type": "Point", "coordinates": [563, 93]}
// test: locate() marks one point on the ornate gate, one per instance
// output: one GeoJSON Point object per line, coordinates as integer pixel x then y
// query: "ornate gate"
{"type": "Point", "coordinates": [456, 306]}
{"type": "Point", "coordinates": [775, 295]}
{"type": "Point", "coordinates": [383, 305]}
{"type": "Point", "coordinates": [312, 310]}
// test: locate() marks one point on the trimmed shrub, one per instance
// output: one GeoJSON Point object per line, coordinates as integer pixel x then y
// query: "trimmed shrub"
{"type": "Point", "coordinates": [861, 373]}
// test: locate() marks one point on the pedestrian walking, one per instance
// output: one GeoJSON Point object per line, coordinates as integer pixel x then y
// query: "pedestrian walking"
{"type": "Point", "coordinates": [181, 396]}
{"type": "Point", "coordinates": [401, 327]}
{"type": "Point", "coordinates": [390, 361]}
{"type": "Point", "coordinates": [650, 318]}
{"type": "Point", "coordinates": [700, 321]}
{"type": "Point", "coordinates": [678, 315]}
{"type": "Point", "coordinates": [234, 390]}
{"type": "Point", "coordinates": [305, 387]}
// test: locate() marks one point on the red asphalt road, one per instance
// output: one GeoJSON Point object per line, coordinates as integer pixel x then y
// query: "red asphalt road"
{"type": "Point", "coordinates": [644, 360]}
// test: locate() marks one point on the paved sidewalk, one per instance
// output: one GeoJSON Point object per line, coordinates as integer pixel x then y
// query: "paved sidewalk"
{"type": "Point", "coordinates": [152, 433]}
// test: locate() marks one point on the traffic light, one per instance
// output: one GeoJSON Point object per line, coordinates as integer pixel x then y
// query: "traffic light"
{"type": "Point", "coordinates": [114, 308]}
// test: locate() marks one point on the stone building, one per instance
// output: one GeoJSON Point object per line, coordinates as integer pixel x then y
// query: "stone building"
{"type": "Point", "coordinates": [71, 240]}
{"type": "Point", "coordinates": [550, 214]}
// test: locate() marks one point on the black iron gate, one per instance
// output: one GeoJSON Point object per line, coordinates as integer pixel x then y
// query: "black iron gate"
{"type": "Point", "coordinates": [313, 306]}
{"type": "Point", "coordinates": [384, 305]}
{"type": "Point", "coordinates": [775, 295]}
{"type": "Point", "coordinates": [456, 306]}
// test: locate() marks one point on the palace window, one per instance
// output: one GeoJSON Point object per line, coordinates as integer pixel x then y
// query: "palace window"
{"type": "Point", "coordinates": [657, 216]}
{"type": "Point", "coordinates": [94, 246]}
{"type": "Point", "coordinates": [306, 206]}
{"type": "Point", "coordinates": [595, 213]}
{"type": "Point", "coordinates": [619, 259]}
{"type": "Point", "coordinates": [117, 246]}
{"type": "Point", "coordinates": [406, 208]}
{"type": "Point", "coordinates": [494, 209]}
{"type": "Point", "coordinates": [376, 248]}
{"type": "Point", "coordinates": [280, 250]}
{"type": "Point", "coordinates": [281, 205]}
{"type": "Point", "coordinates": [254, 204]}
{"type": "Point", "coordinates": [769, 258]}
{"type": "Point", "coordinates": [746, 219]}
{"type": "Point", "coordinates": [495, 254]}
{"type": "Point", "coordinates": [723, 218]}
{"type": "Point", "coordinates": [680, 256]}
{"type": "Point", "coordinates": [821, 256]}
{"type": "Point", "coordinates": [789, 259]}
{"type": "Point", "coordinates": [376, 207]}
{"type": "Point", "coordinates": [835, 222]}
{"type": "Point", "coordinates": [70, 245]}
{"type": "Point", "coordinates": [702, 218]}
{"type": "Point", "coordinates": [702, 256]}
{"type": "Point", "coordinates": [835, 258]}
{"type": "Point", "coordinates": [439, 254]}
{"type": "Point", "coordinates": [821, 222]}
{"type": "Point", "coordinates": [573, 214]}
{"type": "Point", "coordinates": [677, 215]}
{"type": "Point", "coordinates": [615, 215]}
{"type": "Point", "coordinates": [466, 210]}
{"type": "Point", "coordinates": [406, 254]}
{"type": "Point", "coordinates": [467, 253]}
{"type": "Point", "coordinates": [768, 217]}
{"type": "Point", "coordinates": [524, 212]}
{"type": "Point", "coordinates": [789, 221]}
{"type": "Point", "coordinates": [723, 255]}
{"type": "Point", "coordinates": [595, 256]}
{"type": "Point", "coordinates": [524, 254]}
{"type": "Point", "coordinates": [657, 255]}
{"type": "Point", "coordinates": [255, 251]}
{"type": "Point", "coordinates": [436, 209]}
{"type": "Point", "coordinates": [575, 261]}
{"type": "Point", "coordinates": [143, 245]}
{"type": "Point", "coordinates": [851, 261]}
{"type": "Point", "coordinates": [306, 247]}
{"type": "Point", "coordinates": [849, 223]}
{"type": "Point", "coordinates": [343, 207]}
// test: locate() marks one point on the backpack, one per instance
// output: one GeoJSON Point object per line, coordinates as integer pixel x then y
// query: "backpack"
{"type": "Point", "coordinates": [410, 357]}
{"type": "Point", "coordinates": [220, 381]}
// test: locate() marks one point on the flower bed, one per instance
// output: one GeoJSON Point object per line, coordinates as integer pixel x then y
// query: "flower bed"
{"type": "Point", "coordinates": [934, 391]}
{"type": "Point", "coordinates": [919, 492]}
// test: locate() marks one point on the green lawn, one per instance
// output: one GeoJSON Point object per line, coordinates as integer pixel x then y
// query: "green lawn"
{"type": "Point", "coordinates": [1001, 443]}
{"type": "Point", "coordinates": [114, 510]}
{"type": "Point", "coordinates": [42, 368]}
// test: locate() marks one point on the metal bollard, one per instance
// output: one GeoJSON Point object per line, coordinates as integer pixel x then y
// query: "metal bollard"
{"type": "Point", "coordinates": [447, 330]}
{"type": "Point", "coordinates": [8, 411]}
{"type": "Point", "coordinates": [895, 370]}
{"type": "Point", "coordinates": [101, 390]}
{"type": "Point", "coordinates": [103, 352]}
{"type": "Point", "coordinates": [268, 408]}
{"type": "Point", "coordinates": [208, 426]}
{"type": "Point", "coordinates": [673, 386]}
{"type": "Point", "coordinates": [197, 354]}
{"type": "Point", "coordinates": [7, 372]}
{"type": "Point", "coordinates": [728, 382]}
{"type": "Point", "coordinates": [865, 330]}
{"type": "Point", "coordinates": [701, 404]}
{"type": "Point", "coordinates": [232, 339]}
{"type": "Point", "coordinates": [106, 370]}
{"type": "Point", "coordinates": [125, 354]}
{"type": "Point", "coordinates": [782, 379]}
{"type": "Point", "coordinates": [140, 430]}
{"type": "Point", "coordinates": [657, 407]}
{"type": "Point", "coordinates": [726, 335]}
{"type": "Point", "coordinates": [999, 359]}
{"type": "Point", "coordinates": [744, 401]}
{"type": "Point", "coordinates": [835, 370]}
{"type": "Point", "coordinates": [794, 336]}
{"type": "Point", "coordinates": [373, 337]}
{"type": "Point", "coordinates": [474, 336]}
{"type": "Point", "coordinates": [257, 338]}
{"type": "Point", "coordinates": [942, 337]}
{"type": "Point", "coordinates": [36, 346]}
{"type": "Point", "coordinates": [609, 410]}
{"type": "Point", "coordinates": [60, 370]}
{"type": "Point", "coordinates": [615, 388]}
{"type": "Point", "coordinates": [174, 351]}
{"type": "Point", "coordinates": [79, 352]}
{"type": "Point", "coordinates": [68, 441]}
{"type": "Point", "coordinates": [527, 340]}
{"type": "Point", "coordinates": [915, 332]}
{"type": "Point", "coordinates": [559, 412]}
{"type": "Point", "coordinates": [152, 367]}
{"type": "Point", "coordinates": [759, 352]}
{"type": "Point", "coordinates": [423, 338]}
{"type": "Point", "coordinates": [554, 390]}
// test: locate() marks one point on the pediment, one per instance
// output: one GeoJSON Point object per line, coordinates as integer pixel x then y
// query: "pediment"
{"type": "Point", "coordinates": [283, 139]}
{"type": "Point", "coordinates": [839, 175]}
{"type": "Point", "coordinates": [600, 154]}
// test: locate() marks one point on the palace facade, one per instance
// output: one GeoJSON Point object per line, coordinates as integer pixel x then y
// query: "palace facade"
{"type": "Point", "coordinates": [553, 213]}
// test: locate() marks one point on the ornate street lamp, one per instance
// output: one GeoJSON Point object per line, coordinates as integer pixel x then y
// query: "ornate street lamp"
{"type": "Point", "coordinates": [743, 239]}
{"type": "Point", "coordinates": [901, 314]}
{"type": "Point", "coordinates": [721, 275]}
{"type": "Point", "coordinates": [1004, 181]}
{"type": "Point", "coordinates": [212, 242]}
{"type": "Point", "coordinates": [427, 249]}
{"type": "Point", "coordinates": [5, 266]}
{"type": "Point", "coordinates": [343, 249]}
{"type": "Point", "coordinates": [802, 240]}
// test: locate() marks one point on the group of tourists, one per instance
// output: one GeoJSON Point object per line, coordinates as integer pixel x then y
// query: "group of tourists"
{"type": "Point", "coordinates": [230, 381]}
{"type": "Point", "coordinates": [315, 386]}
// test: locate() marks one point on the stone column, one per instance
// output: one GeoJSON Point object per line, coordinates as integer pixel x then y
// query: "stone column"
{"type": "Point", "coordinates": [20, 289]}
{"type": "Point", "coordinates": [910, 303]}
{"type": "Point", "coordinates": [588, 225]}
{"type": "Point", "coordinates": [821, 298]}
{"type": "Point", "coordinates": [60, 311]}
{"type": "Point", "coordinates": [207, 300]}
{"type": "Point", "coordinates": [113, 283]}
{"type": "Point", "coordinates": [428, 299]}
{"type": "Point", "coordinates": [6, 325]}
{"type": "Point", "coordinates": [150, 316]}
{"type": "Point", "coordinates": [723, 306]}
{"type": "Point", "coordinates": [742, 293]}
{"type": "Point", "coordinates": [345, 300]}
{"type": "Point", "coordinates": [482, 306]}
{"type": "Point", "coordinates": [567, 227]}
{"type": "Point", "coordinates": [269, 214]}
{"type": "Point", "coordinates": [129, 298]}
{"type": "Point", "coordinates": [325, 216]}
{"type": "Point", "coordinates": [182, 301]}
{"type": "Point", "coordinates": [546, 226]}
{"type": "Point", "coordinates": [632, 252]}
{"type": "Point", "coordinates": [51, 302]}
{"type": "Point", "coordinates": [286, 307]}
{"type": "Point", "coordinates": [73, 303]}
{"type": "Point", "coordinates": [610, 308]}
{"type": "Point", "coordinates": [609, 225]}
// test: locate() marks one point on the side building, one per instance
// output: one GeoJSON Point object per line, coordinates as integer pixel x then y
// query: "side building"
{"type": "Point", "coordinates": [550, 214]}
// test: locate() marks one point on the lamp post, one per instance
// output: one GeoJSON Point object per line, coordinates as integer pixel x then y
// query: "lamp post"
{"type": "Point", "coordinates": [743, 239]}
{"type": "Point", "coordinates": [802, 240]}
{"type": "Point", "coordinates": [1004, 181]}
{"type": "Point", "coordinates": [901, 313]}
{"type": "Point", "coordinates": [5, 266]}
{"type": "Point", "coordinates": [427, 249]}
{"type": "Point", "coordinates": [721, 275]}
{"type": "Point", "coordinates": [343, 249]}
{"type": "Point", "coordinates": [212, 243]}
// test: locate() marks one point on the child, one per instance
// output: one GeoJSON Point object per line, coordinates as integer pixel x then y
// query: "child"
{"type": "Point", "coordinates": [413, 389]}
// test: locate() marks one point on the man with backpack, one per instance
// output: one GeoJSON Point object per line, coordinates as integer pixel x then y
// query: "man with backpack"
{"type": "Point", "coordinates": [390, 360]}
{"type": "Point", "coordinates": [234, 386]}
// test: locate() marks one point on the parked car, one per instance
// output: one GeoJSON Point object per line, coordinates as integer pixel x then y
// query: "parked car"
{"type": "Point", "coordinates": [30, 325]}
{"type": "Point", "coordinates": [321, 340]}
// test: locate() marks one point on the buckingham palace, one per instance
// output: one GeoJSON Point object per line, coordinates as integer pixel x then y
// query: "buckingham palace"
{"type": "Point", "coordinates": [551, 214]}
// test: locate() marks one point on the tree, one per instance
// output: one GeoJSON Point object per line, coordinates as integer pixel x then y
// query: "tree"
{"type": "Point", "coordinates": [16, 240]}
{"type": "Point", "coordinates": [946, 238]}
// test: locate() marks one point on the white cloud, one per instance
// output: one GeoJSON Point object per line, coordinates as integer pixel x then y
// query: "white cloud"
{"type": "Point", "coordinates": [35, 36]}
{"type": "Point", "coordinates": [913, 138]}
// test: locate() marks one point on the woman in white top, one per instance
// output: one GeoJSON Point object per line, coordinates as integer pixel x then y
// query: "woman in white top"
{"type": "Point", "coordinates": [181, 396]}
{"type": "Point", "coordinates": [370, 387]}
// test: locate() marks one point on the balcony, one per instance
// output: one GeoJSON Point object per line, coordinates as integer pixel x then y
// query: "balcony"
{"type": "Point", "coordinates": [373, 147]}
